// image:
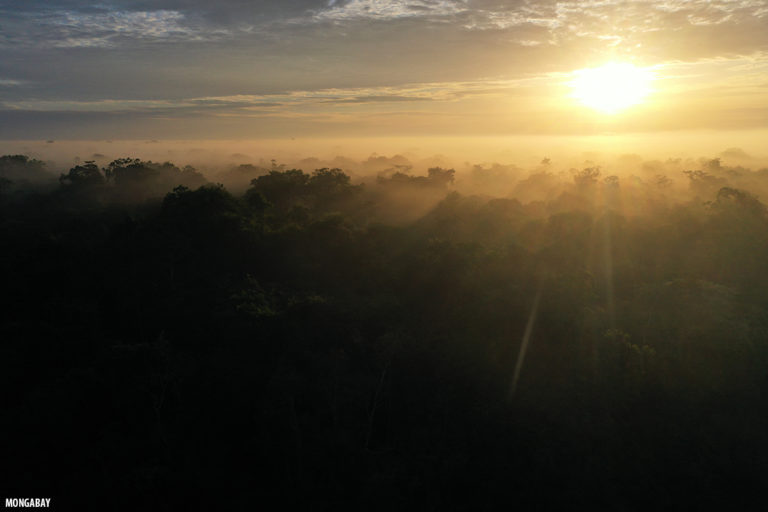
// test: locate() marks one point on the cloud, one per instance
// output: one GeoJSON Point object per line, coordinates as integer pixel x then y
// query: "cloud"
{"type": "Point", "coordinates": [655, 29]}
{"type": "Point", "coordinates": [104, 29]}
{"type": "Point", "coordinates": [632, 27]}
{"type": "Point", "coordinates": [427, 92]}
{"type": "Point", "coordinates": [177, 58]}
{"type": "Point", "coordinates": [390, 9]}
{"type": "Point", "coordinates": [598, 16]}
{"type": "Point", "coordinates": [379, 99]}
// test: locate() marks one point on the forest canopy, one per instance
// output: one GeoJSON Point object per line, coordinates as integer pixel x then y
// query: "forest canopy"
{"type": "Point", "coordinates": [314, 337]}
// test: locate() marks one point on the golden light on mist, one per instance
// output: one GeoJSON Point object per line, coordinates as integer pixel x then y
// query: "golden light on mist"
{"type": "Point", "coordinates": [612, 87]}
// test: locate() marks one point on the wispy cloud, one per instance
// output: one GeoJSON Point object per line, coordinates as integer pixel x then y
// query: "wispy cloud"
{"type": "Point", "coordinates": [601, 23]}
{"type": "Point", "coordinates": [636, 15]}
{"type": "Point", "coordinates": [105, 28]}
{"type": "Point", "coordinates": [390, 9]}
{"type": "Point", "coordinates": [427, 92]}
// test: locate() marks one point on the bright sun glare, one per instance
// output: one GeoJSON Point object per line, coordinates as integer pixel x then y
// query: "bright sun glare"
{"type": "Point", "coordinates": [612, 87]}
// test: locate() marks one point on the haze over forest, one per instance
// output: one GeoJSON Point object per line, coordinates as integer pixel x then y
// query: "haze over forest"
{"type": "Point", "coordinates": [384, 254]}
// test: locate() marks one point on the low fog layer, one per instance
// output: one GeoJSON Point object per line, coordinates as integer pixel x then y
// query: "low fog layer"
{"type": "Point", "coordinates": [398, 186]}
{"type": "Point", "coordinates": [738, 147]}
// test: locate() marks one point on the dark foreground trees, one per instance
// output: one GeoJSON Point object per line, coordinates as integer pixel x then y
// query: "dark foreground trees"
{"type": "Point", "coordinates": [289, 348]}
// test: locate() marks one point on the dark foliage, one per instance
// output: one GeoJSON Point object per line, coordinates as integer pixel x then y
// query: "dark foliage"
{"type": "Point", "coordinates": [167, 345]}
{"type": "Point", "coordinates": [22, 170]}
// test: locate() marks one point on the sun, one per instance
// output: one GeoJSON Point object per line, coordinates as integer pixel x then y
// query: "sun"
{"type": "Point", "coordinates": [612, 87]}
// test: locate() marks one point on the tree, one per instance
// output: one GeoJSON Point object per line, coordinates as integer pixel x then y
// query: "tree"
{"type": "Point", "coordinates": [21, 170]}
{"type": "Point", "coordinates": [282, 188]}
{"type": "Point", "coordinates": [586, 177]}
{"type": "Point", "coordinates": [85, 175]}
{"type": "Point", "coordinates": [441, 177]}
{"type": "Point", "coordinates": [5, 184]}
{"type": "Point", "coordinates": [135, 179]}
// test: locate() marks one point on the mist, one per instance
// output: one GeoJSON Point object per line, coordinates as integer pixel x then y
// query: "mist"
{"type": "Point", "coordinates": [421, 152]}
{"type": "Point", "coordinates": [293, 322]}
{"type": "Point", "coordinates": [545, 170]}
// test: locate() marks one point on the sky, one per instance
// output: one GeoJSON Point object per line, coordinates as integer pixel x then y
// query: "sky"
{"type": "Point", "coordinates": [243, 69]}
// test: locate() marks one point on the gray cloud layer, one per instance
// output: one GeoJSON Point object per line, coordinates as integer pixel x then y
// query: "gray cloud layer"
{"type": "Point", "coordinates": [179, 51]}
{"type": "Point", "coordinates": [67, 23]}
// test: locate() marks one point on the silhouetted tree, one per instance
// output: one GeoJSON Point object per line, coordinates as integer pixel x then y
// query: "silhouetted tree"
{"type": "Point", "coordinates": [135, 179]}
{"type": "Point", "coordinates": [282, 188]}
{"type": "Point", "coordinates": [85, 175]}
{"type": "Point", "coordinates": [22, 170]}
